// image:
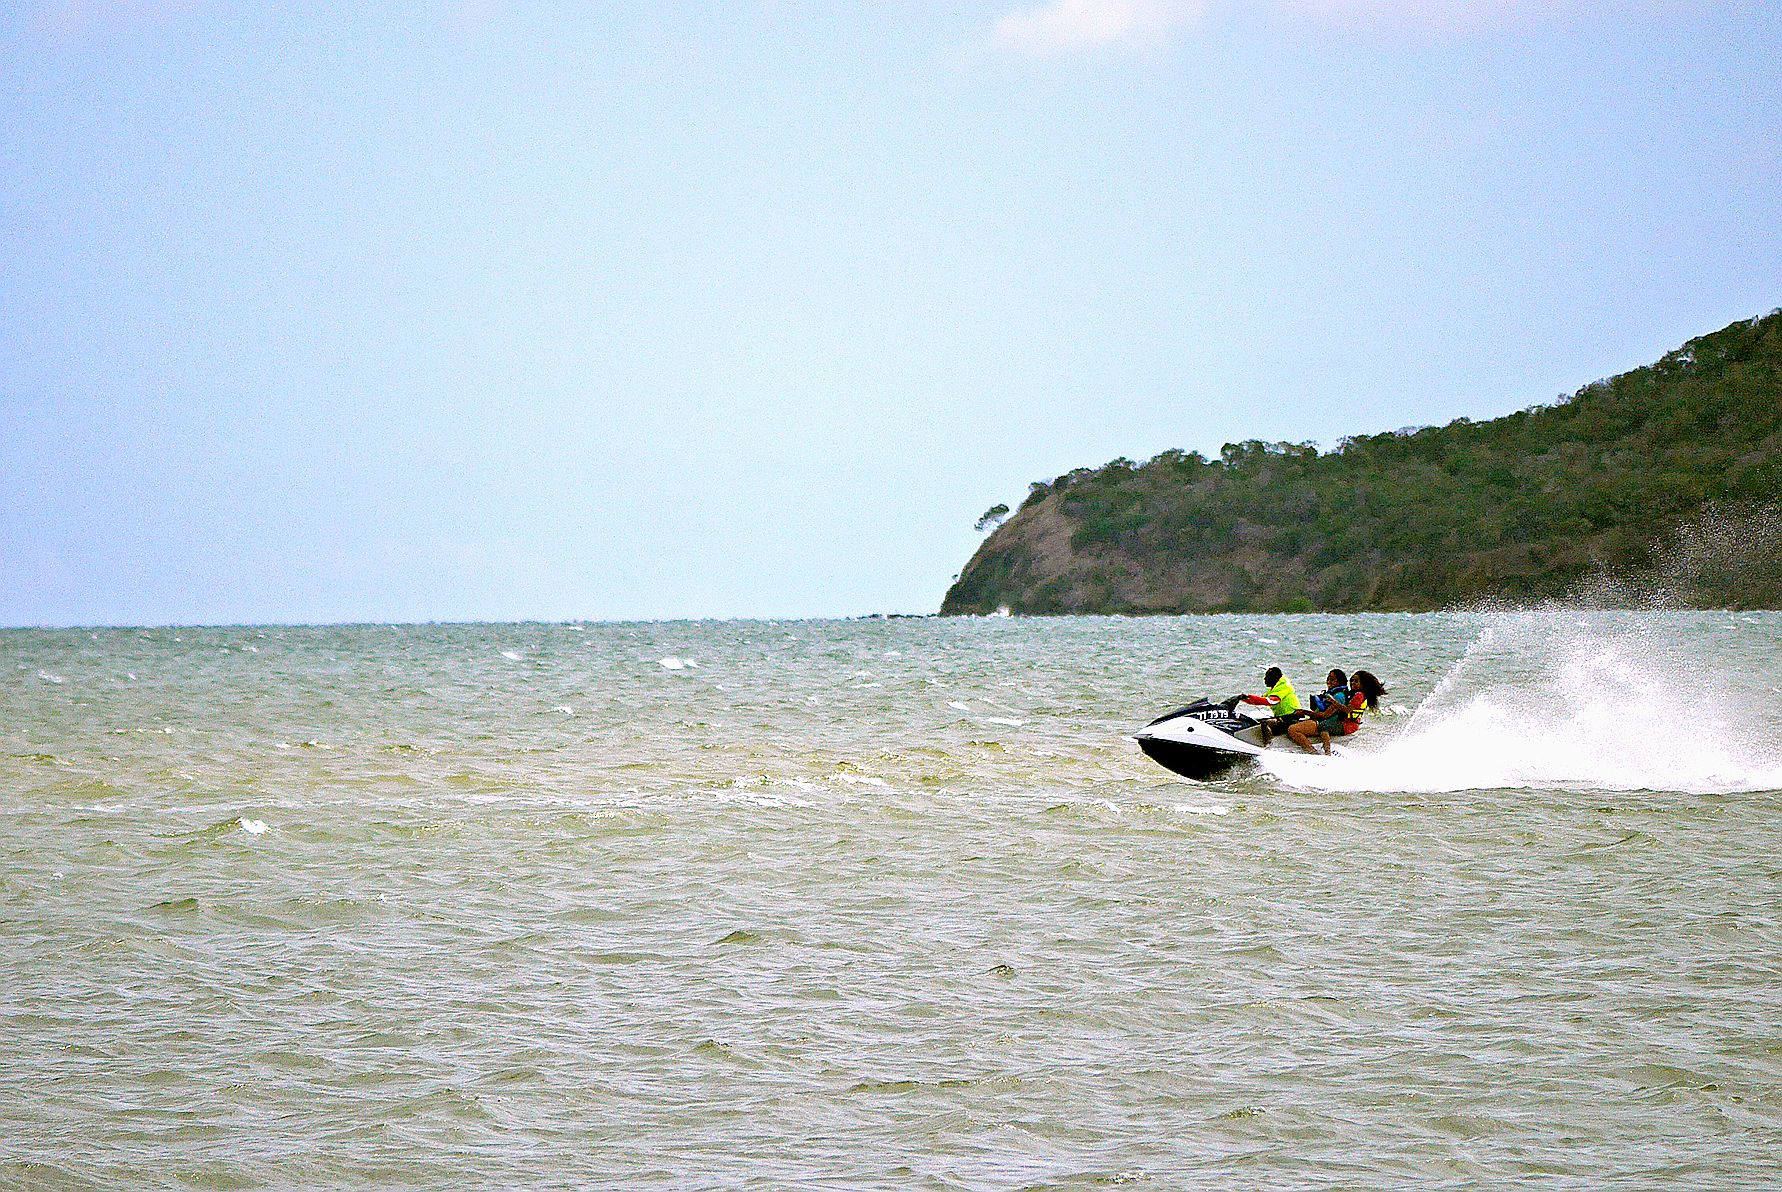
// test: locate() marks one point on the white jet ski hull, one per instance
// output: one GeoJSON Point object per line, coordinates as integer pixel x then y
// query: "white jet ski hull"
{"type": "Point", "coordinates": [1201, 740]}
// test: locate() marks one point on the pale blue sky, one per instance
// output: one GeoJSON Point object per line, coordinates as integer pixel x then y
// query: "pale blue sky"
{"type": "Point", "coordinates": [481, 310]}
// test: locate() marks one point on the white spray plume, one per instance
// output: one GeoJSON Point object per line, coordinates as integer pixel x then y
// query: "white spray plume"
{"type": "Point", "coordinates": [1577, 700]}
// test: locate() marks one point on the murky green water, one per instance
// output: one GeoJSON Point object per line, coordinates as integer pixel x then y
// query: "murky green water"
{"type": "Point", "coordinates": [888, 904]}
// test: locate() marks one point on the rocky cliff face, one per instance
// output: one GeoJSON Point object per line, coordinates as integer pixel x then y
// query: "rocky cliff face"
{"type": "Point", "coordinates": [1029, 565]}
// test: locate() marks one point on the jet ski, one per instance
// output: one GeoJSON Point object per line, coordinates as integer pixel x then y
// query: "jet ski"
{"type": "Point", "coordinates": [1204, 738]}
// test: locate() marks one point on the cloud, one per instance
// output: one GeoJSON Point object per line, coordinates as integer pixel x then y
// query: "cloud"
{"type": "Point", "coordinates": [1057, 28]}
{"type": "Point", "coordinates": [1427, 16]}
{"type": "Point", "coordinates": [1061, 27]}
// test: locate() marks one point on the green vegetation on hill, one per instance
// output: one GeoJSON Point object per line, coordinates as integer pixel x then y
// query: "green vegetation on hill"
{"type": "Point", "coordinates": [1531, 505]}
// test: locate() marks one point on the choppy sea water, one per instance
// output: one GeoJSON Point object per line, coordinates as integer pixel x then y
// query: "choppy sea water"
{"type": "Point", "coordinates": [888, 904]}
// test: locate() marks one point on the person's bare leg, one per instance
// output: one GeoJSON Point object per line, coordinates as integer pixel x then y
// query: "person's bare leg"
{"type": "Point", "coordinates": [1300, 733]}
{"type": "Point", "coordinates": [1324, 740]}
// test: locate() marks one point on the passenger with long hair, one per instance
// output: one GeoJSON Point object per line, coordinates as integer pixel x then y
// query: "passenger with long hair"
{"type": "Point", "coordinates": [1337, 712]}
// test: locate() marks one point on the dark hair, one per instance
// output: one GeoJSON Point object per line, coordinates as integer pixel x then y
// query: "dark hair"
{"type": "Point", "coordinates": [1342, 680]}
{"type": "Point", "coordinates": [1272, 675]}
{"type": "Point", "coordinates": [1371, 687]}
